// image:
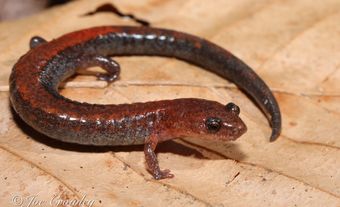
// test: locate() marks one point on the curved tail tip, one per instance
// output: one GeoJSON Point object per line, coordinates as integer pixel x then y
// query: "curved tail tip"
{"type": "Point", "coordinates": [275, 134]}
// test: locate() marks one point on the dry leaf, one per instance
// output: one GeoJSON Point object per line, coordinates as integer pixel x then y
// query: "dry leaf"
{"type": "Point", "coordinates": [293, 45]}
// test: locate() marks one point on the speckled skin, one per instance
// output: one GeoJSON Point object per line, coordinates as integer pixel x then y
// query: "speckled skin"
{"type": "Point", "coordinates": [35, 78]}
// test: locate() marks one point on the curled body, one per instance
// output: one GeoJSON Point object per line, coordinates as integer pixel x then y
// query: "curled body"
{"type": "Point", "coordinates": [36, 76]}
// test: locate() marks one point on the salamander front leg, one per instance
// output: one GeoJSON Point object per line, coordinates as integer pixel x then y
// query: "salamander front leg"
{"type": "Point", "coordinates": [152, 162]}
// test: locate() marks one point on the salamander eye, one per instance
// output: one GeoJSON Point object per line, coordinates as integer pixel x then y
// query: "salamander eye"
{"type": "Point", "coordinates": [213, 124]}
{"type": "Point", "coordinates": [233, 108]}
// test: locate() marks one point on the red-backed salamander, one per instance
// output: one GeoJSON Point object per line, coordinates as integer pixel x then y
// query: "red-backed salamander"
{"type": "Point", "coordinates": [36, 76]}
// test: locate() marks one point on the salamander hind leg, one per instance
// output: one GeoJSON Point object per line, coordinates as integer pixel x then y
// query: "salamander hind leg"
{"type": "Point", "coordinates": [152, 162]}
{"type": "Point", "coordinates": [36, 41]}
{"type": "Point", "coordinates": [110, 66]}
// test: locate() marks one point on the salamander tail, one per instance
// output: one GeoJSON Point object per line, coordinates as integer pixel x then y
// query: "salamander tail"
{"type": "Point", "coordinates": [276, 126]}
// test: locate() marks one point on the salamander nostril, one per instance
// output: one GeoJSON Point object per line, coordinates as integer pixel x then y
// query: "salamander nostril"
{"type": "Point", "coordinates": [235, 130]}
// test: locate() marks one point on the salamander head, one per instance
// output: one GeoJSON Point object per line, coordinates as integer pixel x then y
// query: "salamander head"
{"type": "Point", "coordinates": [215, 121]}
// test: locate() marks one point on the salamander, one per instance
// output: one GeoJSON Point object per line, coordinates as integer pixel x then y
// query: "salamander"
{"type": "Point", "coordinates": [35, 78]}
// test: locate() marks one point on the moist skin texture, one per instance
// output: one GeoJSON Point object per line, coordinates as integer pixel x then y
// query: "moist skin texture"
{"type": "Point", "coordinates": [35, 78]}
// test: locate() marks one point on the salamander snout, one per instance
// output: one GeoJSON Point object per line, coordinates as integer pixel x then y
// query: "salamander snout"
{"type": "Point", "coordinates": [236, 130]}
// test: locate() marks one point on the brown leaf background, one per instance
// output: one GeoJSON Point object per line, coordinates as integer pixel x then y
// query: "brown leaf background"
{"type": "Point", "coordinates": [294, 45]}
